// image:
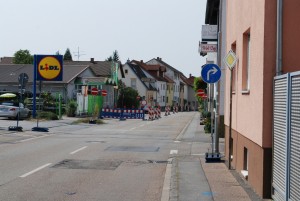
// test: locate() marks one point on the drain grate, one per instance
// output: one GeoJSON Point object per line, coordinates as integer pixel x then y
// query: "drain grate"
{"type": "Point", "coordinates": [86, 164]}
{"type": "Point", "coordinates": [132, 149]}
{"type": "Point", "coordinates": [162, 162]}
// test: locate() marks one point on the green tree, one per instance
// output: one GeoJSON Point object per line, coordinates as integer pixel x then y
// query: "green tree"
{"type": "Point", "coordinates": [68, 55]}
{"type": "Point", "coordinates": [115, 57]}
{"type": "Point", "coordinates": [23, 57]}
{"type": "Point", "coordinates": [199, 84]}
{"type": "Point", "coordinates": [128, 98]}
{"type": "Point", "coordinates": [109, 59]}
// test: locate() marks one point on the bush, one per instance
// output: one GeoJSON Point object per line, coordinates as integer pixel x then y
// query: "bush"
{"type": "Point", "coordinates": [47, 115]}
{"type": "Point", "coordinates": [207, 125]}
{"type": "Point", "coordinates": [71, 108]}
{"type": "Point", "coordinates": [206, 114]}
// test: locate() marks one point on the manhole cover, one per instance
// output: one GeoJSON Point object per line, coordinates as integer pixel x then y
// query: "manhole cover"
{"type": "Point", "coordinates": [132, 149]}
{"type": "Point", "coordinates": [86, 164]}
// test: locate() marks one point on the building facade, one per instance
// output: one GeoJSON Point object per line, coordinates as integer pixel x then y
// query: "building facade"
{"type": "Point", "coordinates": [251, 34]}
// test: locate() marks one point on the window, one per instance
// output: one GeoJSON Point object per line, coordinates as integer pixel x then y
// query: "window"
{"type": "Point", "coordinates": [244, 172]}
{"type": "Point", "coordinates": [246, 62]}
{"type": "Point", "coordinates": [234, 70]}
{"type": "Point", "coordinates": [163, 99]}
{"type": "Point", "coordinates": [133, 83]}
{"type": "Point", "coordinates": [126, 71]}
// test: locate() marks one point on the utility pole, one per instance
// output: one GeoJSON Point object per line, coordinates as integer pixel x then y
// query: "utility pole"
{"type": "Point", "coordinates": [78, 54]}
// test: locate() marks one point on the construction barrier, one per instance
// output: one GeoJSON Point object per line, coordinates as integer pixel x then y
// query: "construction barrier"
{"type": "Point", "coordinates": [122, 113]}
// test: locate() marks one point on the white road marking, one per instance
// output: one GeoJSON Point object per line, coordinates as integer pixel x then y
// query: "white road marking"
{"type": "Point", "coordinates": [34, 138]}
{"type": "Point", "coordinates": [82, 148]}
{"type": "Point", "coordinates": [133, 128]}
{"type": "Point", "coordinates": [177, 141]}
{"type": "Point", "coordinates": [167, 182]}
{"type": "Point", "coordinates": [174, 152]}
{"type": "Point", "coordinates": [35, 170]}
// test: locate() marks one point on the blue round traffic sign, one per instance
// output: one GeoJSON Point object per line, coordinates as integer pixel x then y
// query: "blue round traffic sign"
{"type": "Point", "coordinates": [211, 73]}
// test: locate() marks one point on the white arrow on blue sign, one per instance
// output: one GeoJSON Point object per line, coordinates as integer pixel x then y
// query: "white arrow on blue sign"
{"type": "Point", "coordinates": [211, 73]}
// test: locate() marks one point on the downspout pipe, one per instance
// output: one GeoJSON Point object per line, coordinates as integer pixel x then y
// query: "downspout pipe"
{"type": "Point", "coordinates": [279, 38]}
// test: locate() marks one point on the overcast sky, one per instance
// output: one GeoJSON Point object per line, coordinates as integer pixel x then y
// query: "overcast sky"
{"type": "Point", "coordinates": [137, 29]}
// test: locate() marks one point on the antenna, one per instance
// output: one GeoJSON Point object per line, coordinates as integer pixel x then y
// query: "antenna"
{"type": "Point", "coordinates": [78, 54]}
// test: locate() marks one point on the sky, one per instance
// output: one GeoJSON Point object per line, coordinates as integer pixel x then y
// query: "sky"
{"type": "Point", "coordinates": [137, 29]}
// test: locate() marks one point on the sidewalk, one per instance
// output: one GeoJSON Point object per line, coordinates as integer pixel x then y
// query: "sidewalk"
{"type": "Point", "coordinates": [194, 179]}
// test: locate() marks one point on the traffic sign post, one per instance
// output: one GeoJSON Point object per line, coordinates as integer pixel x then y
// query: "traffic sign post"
{"type": "Point", "coordinates": [103, 92]}
{"type": "Point", "coordinates": [211, 73]}
{"type": "Point", "coordinates": [230, 61]}
{"type": "Point", "coordinates": [200, 92]}
{"type": "Point", "coordinates": [94, 91]}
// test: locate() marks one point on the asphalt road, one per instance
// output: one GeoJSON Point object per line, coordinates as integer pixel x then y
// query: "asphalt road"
{"type": "Point", "coordinates": [116, 161]}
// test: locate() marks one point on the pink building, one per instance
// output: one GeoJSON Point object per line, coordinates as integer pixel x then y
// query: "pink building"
{"type": "Point", "coordinates": [251, 34]}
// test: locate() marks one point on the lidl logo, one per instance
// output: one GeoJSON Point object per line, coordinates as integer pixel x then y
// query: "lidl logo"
{"type": "Point", "coordinates": [49, 68]}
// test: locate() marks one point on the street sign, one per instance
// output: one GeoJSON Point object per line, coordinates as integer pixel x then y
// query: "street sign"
{"type": "Point", "coordinates": [144, 102]}
{"type": "Point", "coordinates": [94, 91]}
{"type": "Point", "coordinates": [200, 92]}
{"type": "Point", "coordinates": [103, 92]}
{"type": "Point", "coordinates": [211, 73]}
{"type": "Point", "coordinates": [230, 59]}
{"type": "Point", "coordinates": [23, 79]}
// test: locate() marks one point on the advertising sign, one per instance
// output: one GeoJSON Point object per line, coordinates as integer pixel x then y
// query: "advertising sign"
{"type": "Point", "coordinates": [49, 67]}
{"type": "Point", "coordinates": [208, 48]}
{"type": "Point", "coordinates": [209, 32]}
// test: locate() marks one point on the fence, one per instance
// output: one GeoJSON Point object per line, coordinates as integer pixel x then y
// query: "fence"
{"type": "Point", "coordinates": [120, 113]}
{"type": "Point", "coordinates": [286, 132]}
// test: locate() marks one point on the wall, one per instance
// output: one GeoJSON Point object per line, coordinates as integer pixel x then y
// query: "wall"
{"type": "Point", "coordinates": [127, 81]}
{"type": "Point", "coordinates": [291, 32]}
{"type": "Point", "coordinates": [247, 113]}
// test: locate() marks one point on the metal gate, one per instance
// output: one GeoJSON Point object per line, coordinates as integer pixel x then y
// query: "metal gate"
{"type": "Point", "coordinates": [286, 130]}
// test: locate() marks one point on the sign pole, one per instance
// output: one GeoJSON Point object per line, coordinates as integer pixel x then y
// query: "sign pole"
{"type": "Point", "coordinates": [211, 116]}
{"type": "Point", "coordinates": [230, 61]}
{"type": "Point", "coordinates": [230, 122]}
{"type": "Point", "coordinates": [34, 87]}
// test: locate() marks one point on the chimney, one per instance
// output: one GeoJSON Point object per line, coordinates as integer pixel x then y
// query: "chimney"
{"type": "Point", "coordinates": [92, 60]}
{"type": "Point", "coordinates": [142, 61]}
{"type": "Point", "coordinates": [190, 75]}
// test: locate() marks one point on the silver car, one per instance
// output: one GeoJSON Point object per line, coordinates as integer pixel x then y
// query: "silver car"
{"type": "Point", "coordinates": [14, 110]}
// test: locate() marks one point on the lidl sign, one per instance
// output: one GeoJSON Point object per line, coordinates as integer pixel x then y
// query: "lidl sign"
{"type": "Point", "coordinates": [49, 67]}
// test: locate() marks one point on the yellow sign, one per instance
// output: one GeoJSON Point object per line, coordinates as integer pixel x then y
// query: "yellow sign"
{"type": "Point", "coordinates": [49, 68]}
{"type": "Point", "coordinates": [230, 59]}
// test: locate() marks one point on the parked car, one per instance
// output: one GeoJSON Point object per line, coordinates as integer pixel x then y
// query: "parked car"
{"type": "Point", "coordinates": [13, 110]}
